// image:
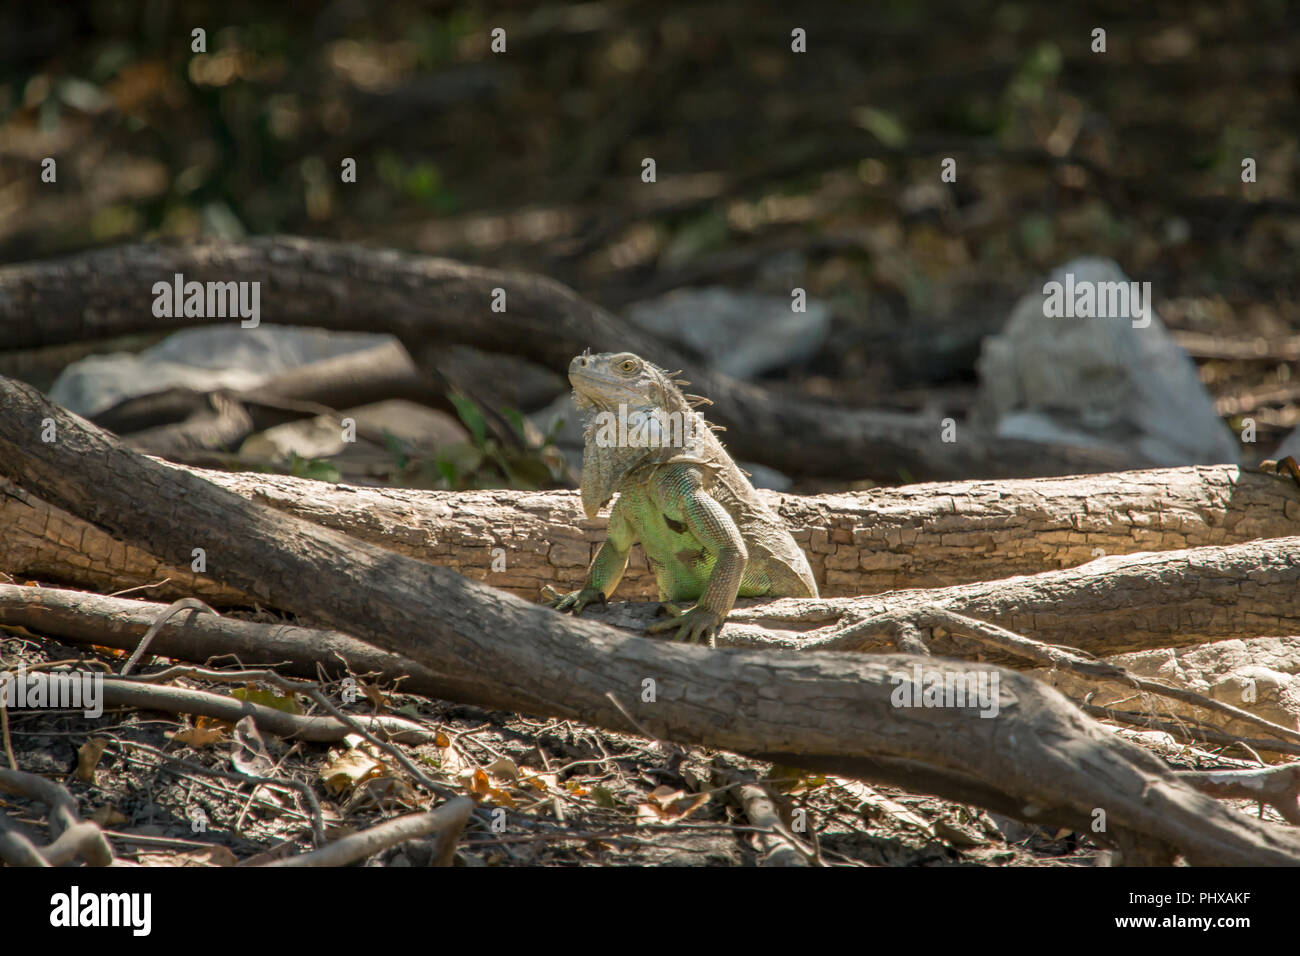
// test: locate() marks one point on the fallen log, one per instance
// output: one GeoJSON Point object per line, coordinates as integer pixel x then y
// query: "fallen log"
{"type": "Point", "coordinates": [83, 618]}
{"type": "Point", "coordinates": [95, 620]}
{"type": "Point", "coordinates": [1109, 606]}
{"type": "Point", "coordinates": [867, 542]}
{"type": "Point", "coordinates": [1039, 759]}
{"type": "Point", "coordinates": [431, 303]}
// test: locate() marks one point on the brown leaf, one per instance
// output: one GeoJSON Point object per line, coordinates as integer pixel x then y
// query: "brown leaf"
{"type": "Point", "coordinates": [481, 788]}
{"type": "Point", "coordinates": [378, 699]}
{"type": "Point", "coordinates": [107, 816]}
{"type": "Point", "coordinates": [206, 856]}
{"type": "Point", "coordinates": [668, 805]}
{"type": "Point", "coordinates": [666, 796]}
{"type": "Point", "coordinates": [198, 737]}
{"type": "Point", "coordinates": [88, 755]}
{"type": "Point", "coordinates": [349, 769]}
{"type": "Point", "coordinates": [503, 770]}
{"type": "Point", "coordinates": [544, 782]}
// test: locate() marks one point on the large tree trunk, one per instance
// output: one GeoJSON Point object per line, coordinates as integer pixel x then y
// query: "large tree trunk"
{"type": "Point", "coordinates": [1039, 758]}
{"type": "Point", "coordinates": [915, 536]}
{"type": "Point", "coordinates": [92, 619]}
{"type": "Point", "coordinates": [431, 303]}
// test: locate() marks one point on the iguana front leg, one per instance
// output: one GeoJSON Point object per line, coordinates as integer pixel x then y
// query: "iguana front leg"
{"type": "Point", "coordinates": [606, 569]}
{"type": "Point", "coordinates": [681, 490]}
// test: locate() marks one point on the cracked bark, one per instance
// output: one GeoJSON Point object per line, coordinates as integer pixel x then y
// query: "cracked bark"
{"type": "Point", "coordinates": [1040, 759]}
{"type": "Point", "coordinates": [916, 536]}
{"type": "Point", "coordinates": [1110, 606]}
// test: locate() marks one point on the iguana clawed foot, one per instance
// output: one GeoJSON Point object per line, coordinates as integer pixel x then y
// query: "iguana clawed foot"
{"type": "Point", "coordinates": [694, 626]}
{"type": "Point", "coordinates": [574, 601]}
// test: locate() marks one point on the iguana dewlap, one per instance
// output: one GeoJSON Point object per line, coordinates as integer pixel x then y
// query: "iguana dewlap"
{"type": "Point", "coordinates": [706, 534]}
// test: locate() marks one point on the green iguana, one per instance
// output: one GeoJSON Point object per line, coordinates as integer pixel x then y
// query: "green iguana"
{"type": "Point", "coordinates": [707, 535]}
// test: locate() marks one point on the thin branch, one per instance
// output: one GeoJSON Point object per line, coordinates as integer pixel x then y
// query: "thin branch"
{"type": "Point", "coordinates": [447, 821]}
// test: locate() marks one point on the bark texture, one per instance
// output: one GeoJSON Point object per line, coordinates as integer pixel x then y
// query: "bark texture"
{"type": "Point", "coordinates": [915, 536]}
{"type": "Point", "coordinates": [1258, 675]}
{"type": "Point", "coordinates": [432, 303]}
{"type": "Point", "coordinates": [1109, 606]}
{"type": "Point", "coordinates": [1040, 758]}
{"type": "Point", "coordinates": [83, 618]}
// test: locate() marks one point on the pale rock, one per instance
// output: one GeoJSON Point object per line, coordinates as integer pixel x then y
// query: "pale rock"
{"type": "Point", "coordinates": [1099, 382]}
{"type": "Point", "coordinates": [211, 357]}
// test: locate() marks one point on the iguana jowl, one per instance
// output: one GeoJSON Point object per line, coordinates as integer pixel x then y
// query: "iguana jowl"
{"type": "Point", "coordinates": [706, 534]}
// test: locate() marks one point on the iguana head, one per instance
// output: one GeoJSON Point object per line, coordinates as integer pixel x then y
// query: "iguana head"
{"type": "Point", "coordinates": [610, 379]}
{"type": "Point", "coordinates": [621, 383]}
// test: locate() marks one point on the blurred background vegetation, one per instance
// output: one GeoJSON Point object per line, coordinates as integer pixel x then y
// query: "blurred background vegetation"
{"type": "Point", "coordinates": [822, 166]}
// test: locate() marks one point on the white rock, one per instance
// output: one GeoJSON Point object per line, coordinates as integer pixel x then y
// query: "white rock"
{"type": "Point", "coordinates": [202, 358]}
{"type": "Point", "coordinates": [1099, 381]}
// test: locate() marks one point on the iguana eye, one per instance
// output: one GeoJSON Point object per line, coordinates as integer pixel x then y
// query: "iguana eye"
{"type": "Point", "coordinates": [628, 366]}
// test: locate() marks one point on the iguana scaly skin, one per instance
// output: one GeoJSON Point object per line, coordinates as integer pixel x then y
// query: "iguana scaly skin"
{"type": "Point", "coordinates": [706, 534]}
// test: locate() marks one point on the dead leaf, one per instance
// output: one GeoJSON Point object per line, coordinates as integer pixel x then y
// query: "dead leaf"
{"type": "Point", "coordinates": [378, 699]}
{"type": "Point", "coordinates": [503, 769]}
{"type": "Point", "coordinates": [349, 769]}
{"type": "Point", "coordinates": [206, 856]}
{"type": "Point", "coordinates": [545, 782]}
{"type": "Point", "coordinates": [664, 796]}
{"type": "Point", "coordinates": [481, 787]}
{"type": "Point", "coordinates": [107, 816]}
{"type": "Point", "coordinates": [381, 792]}
{"type": "Point", "coordinates": [668, 805]}
{"type": "Point", "coordinates": [454, 763]}
{"type": "Point", "coordinates": [198, 737]}
{"type": "Point", "coordinates": [88, 755]}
